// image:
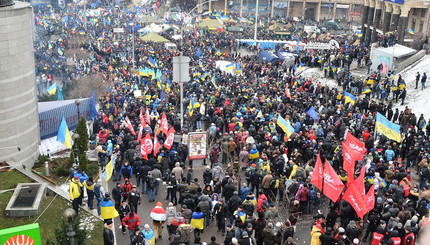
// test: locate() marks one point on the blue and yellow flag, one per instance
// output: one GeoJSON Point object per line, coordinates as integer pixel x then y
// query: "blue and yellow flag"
{"type": "Point", "coordinates": [60, 52]}
{"type": "Point", "coordinates": [63, 135]}
{"type": "Point", "coordinates": [366, 90]}
{"type": "Point", "coordinates": [197, 220]}
{"type": "Point", "coordinates": [349, 98]}
{"type": "Point", "coordinates": [108, 170]}
{"type": "Point", "coordinates": [52, 89]}
{"type": "Point", "coordinates": [107, 209]}
{"type": "Point", "coordinates": [229, 67]}
{"type": "Point", "coordinates": [285, 125]}
{"type": "Point", "coordinates": [152, 61]}
{"type": "Point", "coordinates": [387, 128]}
{"type": "Point", "coordinates": [191, 107]}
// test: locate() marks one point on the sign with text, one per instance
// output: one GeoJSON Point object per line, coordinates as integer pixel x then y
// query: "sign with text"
{"type": "Point", "coordinates": [25, 235]}
{"type": "Point", "coordinates": [197, 145]}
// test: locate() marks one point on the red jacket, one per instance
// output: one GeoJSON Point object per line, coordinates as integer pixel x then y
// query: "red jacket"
{"type": "Point", "coordinates": [132, 222]}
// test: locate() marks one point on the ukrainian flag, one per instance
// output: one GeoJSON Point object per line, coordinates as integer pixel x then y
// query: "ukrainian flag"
{"type": "Point", "coordinates": [253, 154]}
{"type": "Point", "coordinates": [213, 80]}
{"type": "Point", "coordinates": [152, 61]}
{"type": "Point", "coordinates": [285, 125]}
{"type": "Point", "coordinates": [149, 236]}
{"type": "Point", "coordinates": [366, 90]}
{"type": "Point", "coordinates": [52, 89]}
{"type": "Point", "coordinates": [198, 220]}
{"type": "Point", "coordinates": [229, 67]}
{"type": "Point", "coordinates": [349, 98]}
{"type": "Point", "coordinates": [107, 209]}
{"type": "Point", "coordinates": [191, 107]}
{"type": "Point", "coordinates": [151, 51]}
{"type": "Point", "coordinates": [387, 128]}
{"type": "Point", "coordinates": [81, 32]}
{"type": "Point", "coordinates": [142, 72]}
{"type": "Point", "coordinates": [241, 215]}
{"type": "Point", "coordinates": [108, 170]}
{"type": "Point", "coordinates": [60, 52]}
{"type": "Point", "coordinates": [63, 134]}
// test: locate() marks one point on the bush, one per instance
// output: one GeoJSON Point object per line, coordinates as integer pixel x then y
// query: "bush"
{"type": "Point", "coordinates": [92, 169]}
{"type": "Point", "coordinates": [61, 237]}
{"type": "Point", "coordinates": [61, 171]}
{"type": "Point", "coordinates": [40, 161]}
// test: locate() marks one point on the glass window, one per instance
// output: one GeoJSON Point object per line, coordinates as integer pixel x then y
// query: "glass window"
{"type": "Point", "coordinates": [423, 13]}
{"type": "Point", "coordinates": [421, 26]}
{"type": "Point", "coordinates": [413, 24]}
{"type": "Point", "coordinates": [415, 11]}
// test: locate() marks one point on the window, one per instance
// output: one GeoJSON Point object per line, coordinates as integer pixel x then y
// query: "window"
{"type": "Point", "coordinates": [413, 24]}
{"type": "Point", "coordinates": [421, 26]}
{"type": "Point", "coordinates": [415, 11]}
{"type": "Point", "coordinates": [423, 13]}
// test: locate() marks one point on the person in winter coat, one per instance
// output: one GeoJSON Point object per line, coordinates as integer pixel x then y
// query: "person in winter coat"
{"type": "Point", "coordinates": [131, 221]}
{"type": "Point", "coordinates": [265, 183]}
{"type": "Point", "coordinates": [108, 237]}
{"type": "Point", "coordinates": [123, 210]}
{"type": "Point", "coordinates": [89, 186]}
{"type": "Point", "coordinates": [244, 191]}
{"type": "Point", "coordinates": [138, 237]}
{"type": "Point", "coordinates": [315, 234]}
{"type": "Point", "coordinates": [148, 234]}
{"type": "Point", "coordinates": [205, 204]}
{"type": "Point", "coordinates": [117, 194]}
{"type": "Point", "coordinates": [126, 171]}
{"type": "Point", "coordinates": [75, 192]}
{"type": "Point", "coordinates": [221, 213]}
{"type": "Point", "coordinates": [126, 188]}
{"type": "Point", "coordinates": [269, 235]}
{"type": "Point", "coordinates": [207, 175]}
{"type": "Point", "coordinates": [197, 221]}
{"type": "Point", "coordinates": [158, 215]}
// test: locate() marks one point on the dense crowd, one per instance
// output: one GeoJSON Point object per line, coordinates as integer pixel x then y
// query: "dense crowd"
{"type": "Point", "coordinates": [254, 169]}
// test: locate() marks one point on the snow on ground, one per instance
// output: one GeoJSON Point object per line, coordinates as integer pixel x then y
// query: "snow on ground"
{"type": "Point", "coordinates": [318, 76]}
{"type": "Point", "coordinates": [417, 99]}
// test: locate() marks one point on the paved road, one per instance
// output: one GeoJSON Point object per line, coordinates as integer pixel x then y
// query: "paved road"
{"type": "Point", "coordinates": [301, 237]}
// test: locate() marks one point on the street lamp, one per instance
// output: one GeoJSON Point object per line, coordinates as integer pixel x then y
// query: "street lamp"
{"type": "Point", "coordinates": [132, 27]}
{"type": "Point", "coordinates": [78, 103]}
{"type": "Point", "coordinates": [70, 214]}
{"type": "Point", "coordinates": [75, 151]}
{"type": "Point", "coordinates": [189, 13]}
{"type": "Point", "coordinates": [255, 24]}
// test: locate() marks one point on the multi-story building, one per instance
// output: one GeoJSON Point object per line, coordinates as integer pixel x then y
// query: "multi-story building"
{"type": "Point", "coordinates": [410, 19]}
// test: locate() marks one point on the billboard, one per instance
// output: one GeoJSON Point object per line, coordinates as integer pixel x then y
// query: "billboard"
{"type": "Point", "coordinates": [23, 235]}
{"type": "Point", "coordinates": [197, 145]}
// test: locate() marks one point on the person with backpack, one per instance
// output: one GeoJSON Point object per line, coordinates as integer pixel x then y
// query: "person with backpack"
{"type": "Point", "coordinates": [89, 186]}
{"type": "Point", "coordinates": [99, 192]}
{"type": "Point", "coordinates": [424, 174]}
{"type": "Point", "coordinates": [150, 187]}
{"type": "Point", "coordinates": [75, 193]}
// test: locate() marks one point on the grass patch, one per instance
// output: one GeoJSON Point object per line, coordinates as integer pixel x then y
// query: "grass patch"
{"type": "Point", "coordinates": [51, 218]}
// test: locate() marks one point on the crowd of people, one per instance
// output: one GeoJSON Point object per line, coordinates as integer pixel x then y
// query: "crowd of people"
{"type": "Point", "coordinates": [254, 168]}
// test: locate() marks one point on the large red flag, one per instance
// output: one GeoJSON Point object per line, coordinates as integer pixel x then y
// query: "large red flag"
{"type": "Point", "coordinates": [359, 181]}
{"type": "Point", "coordinates": [370, 198]}
{"type": "Point", "coordinates": [146, 146]}
{"type": "Point", "coordinates": [142, 119]}
{"type": "Point", "coordinates": [164, 127]}
{"type": "Point", "coordinates": [148, 119]}
{"type": "Point", "coordinates": [139, 135]}
{"type": "Point", "coordinates": [318, 175]}
{"type": "Point", "coordinates": [356, 147]}
{"type": "Point", "coordinates": [333, 186]}
{"type": "Point", "coordinates": [353, 196]}
{"type": "Point", "coordinates": [348, 162]}
{"type": "Point", "coordinates": [127, 121]}
{"type": "Point", "coordinates": [115, 110]}
{"type": "Point", "coordinates": [156, 146]}
{"type": "Point", "coordinates": [169, 139]}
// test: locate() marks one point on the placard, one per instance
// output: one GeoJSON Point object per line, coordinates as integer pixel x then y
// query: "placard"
{"type": "Point", "coordinates": [197, 143]}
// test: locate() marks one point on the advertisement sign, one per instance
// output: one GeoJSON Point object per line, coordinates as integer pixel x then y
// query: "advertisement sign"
{"type": "Point", "coordinates": [197, 144]}
{"type": "Point", "coordinates": [23, 235]}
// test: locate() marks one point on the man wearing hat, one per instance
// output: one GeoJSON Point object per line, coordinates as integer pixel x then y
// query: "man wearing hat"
{"type": "Point", "coordinates": [134, 198]}
{"type": "Point", "coordinates": [75, 192]}
{"type": "Point", "coordinates": [230, 234]}
{"type": "Point", "coordinates": [138, 238]}
{"type": "Point", "coordinates": [158, 215]}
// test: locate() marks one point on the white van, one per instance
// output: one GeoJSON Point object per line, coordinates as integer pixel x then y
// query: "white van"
{"type": "Point", "coordinates": [171, 47]}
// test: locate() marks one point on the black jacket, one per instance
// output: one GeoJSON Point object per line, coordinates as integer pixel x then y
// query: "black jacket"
{"type": "Point", "coordinates": [108, 236]}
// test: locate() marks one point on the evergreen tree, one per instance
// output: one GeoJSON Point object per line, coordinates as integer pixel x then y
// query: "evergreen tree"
{"type": "Point", "coordinates": [61, 237]}
{"type": "Point", "coordinates": [82, 143]}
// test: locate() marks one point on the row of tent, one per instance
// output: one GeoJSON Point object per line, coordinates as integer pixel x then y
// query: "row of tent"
{"type": "Point", "coordinates": [287, 57]}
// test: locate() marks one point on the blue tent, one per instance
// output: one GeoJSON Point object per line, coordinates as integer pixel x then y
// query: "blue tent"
{"type": "Point", "coordinates": [267, 56]}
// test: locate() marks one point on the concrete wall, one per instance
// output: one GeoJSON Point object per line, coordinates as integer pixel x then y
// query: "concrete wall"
{"type": "Point", "coordinates": [409, 61]}
{"type": "Point", "coordinates": [19, 122]}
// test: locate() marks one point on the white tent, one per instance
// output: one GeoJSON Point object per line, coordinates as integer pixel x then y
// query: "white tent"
{"type": "Point", "coordinates": [222, 64]}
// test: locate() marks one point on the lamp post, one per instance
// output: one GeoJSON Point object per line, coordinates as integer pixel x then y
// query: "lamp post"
{"type": "Point", "coordinates": [70, 214]}
{"type": "Point", "coordinates": [132, 27]}
{"type": "Point", "coordinates": [255, 24]}
{"type": "Point", "coordinates": [78, 103]}
{"type": "Point", "coordinates": [75, 151]}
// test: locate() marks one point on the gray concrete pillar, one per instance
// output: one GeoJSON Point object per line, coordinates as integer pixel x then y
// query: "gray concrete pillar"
{"type": "Point", "coordinates": [272, 8]}
{"type": "Point", "coordinates": [376, 20]}
{"type": "Point", "coordinates": [304, 8]}
{"type": "Point", "coordinates": [318, 13]}
{"type": "Point", "coordinates": [364, 18]}
{"type": "Point", "coordinates": [403, 23]}
{"type": "Point", "coordinates": [241, 8]}
{"type": "Point", "coordinates": [333, 17]}
{"type": "Point", "coordinates": [387, 17]}
{"type": "Point", "coordinates": [370, 22]}
{"type": "Point", "coordinates": [395, 18]}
